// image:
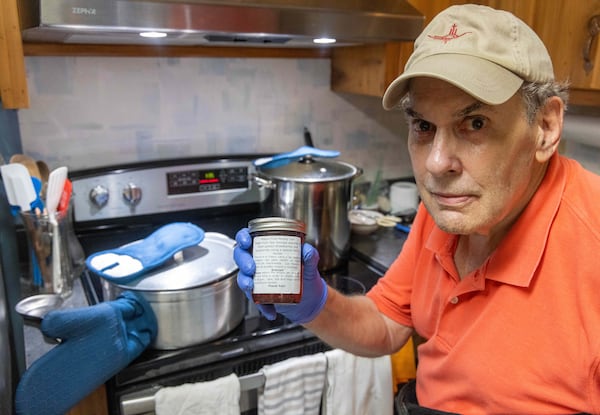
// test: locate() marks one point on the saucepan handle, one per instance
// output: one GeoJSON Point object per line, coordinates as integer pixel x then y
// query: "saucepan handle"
{"type": "Point", "coordinates": [261, 182]}
{"type": "Point", "coordinates": [359, 172]}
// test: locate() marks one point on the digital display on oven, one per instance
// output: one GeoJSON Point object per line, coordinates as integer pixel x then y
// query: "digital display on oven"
{"type": "Point", "coordinates": [208, 180]}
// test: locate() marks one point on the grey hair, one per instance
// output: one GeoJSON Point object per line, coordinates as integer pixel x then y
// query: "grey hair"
{"type": "Point", "coordinates": [535, 95]}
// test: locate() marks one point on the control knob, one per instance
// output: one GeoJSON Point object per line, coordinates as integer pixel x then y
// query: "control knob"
{"type": "Point", "coordinates": [99, 196]}
{"type": "Point", "coordinates": [132, 194]}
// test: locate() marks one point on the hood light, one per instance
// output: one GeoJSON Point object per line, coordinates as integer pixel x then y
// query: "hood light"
{"type": "Point", "coordinates": [153, 35]}
{"type": "Point", "coordinates": [324, 41]}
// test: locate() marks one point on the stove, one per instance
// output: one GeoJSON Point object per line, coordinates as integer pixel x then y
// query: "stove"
{"type": "Point", "coordinates": [116, 205]}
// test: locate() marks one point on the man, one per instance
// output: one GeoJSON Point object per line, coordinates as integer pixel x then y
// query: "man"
{"type": "Point", "coordinates": [498, 273]}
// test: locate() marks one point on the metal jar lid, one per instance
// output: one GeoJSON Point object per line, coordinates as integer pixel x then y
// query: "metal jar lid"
{"type": "Point", "coordinates": [196, 266]}
{"type": "Point", "coordinates": [310, 170]}
{"type": "Point", "coordinates": [276, 224]}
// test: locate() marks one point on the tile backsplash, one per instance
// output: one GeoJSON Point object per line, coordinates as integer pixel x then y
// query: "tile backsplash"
{"type": "Point", "coordinates": [98, 111]}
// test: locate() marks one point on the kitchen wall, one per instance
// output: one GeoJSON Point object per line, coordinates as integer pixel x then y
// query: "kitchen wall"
{"type": "Point", "coordinates": [581, 136]}
{"type": "Point", "coordinates": [98, 111]}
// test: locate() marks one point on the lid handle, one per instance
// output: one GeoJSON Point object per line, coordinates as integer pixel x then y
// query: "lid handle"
{"type": "Point", "coordinates": [300, 153]}
{"type": "Point", "coordinates": [308, 159]}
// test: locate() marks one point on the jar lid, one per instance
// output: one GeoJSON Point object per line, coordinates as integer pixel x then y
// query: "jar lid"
{"type": "Point", "coordinates": [276, 224]}
{"type": "Point", "coordinates": [310, 170]}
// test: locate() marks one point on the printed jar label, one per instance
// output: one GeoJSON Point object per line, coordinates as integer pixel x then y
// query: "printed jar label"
{"type": "Point", "coordinates": [278, 264]}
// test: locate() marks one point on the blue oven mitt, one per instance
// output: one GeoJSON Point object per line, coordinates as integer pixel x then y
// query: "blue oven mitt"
{"type": "Point", "coordinates": [126, 263]}
{"type": "Point", "coordinates": [314, 292]}
{"type": "Point", "coordinates": [95, 344]}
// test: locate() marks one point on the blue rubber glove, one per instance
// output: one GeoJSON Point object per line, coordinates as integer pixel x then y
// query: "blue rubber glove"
{"type": "Point", "coordinates": [314, 292]}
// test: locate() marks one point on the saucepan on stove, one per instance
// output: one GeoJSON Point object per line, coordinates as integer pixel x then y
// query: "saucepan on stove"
{"type": "Point", "coordinates": [194, 295]}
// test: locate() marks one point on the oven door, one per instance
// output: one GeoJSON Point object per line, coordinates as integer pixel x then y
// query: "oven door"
{"type": "Point", "coordinates": [139, 399]}
{"type": "Point", "coordinates": [142, 403]}
{"type": "Point", "coordinates": [256, 343]}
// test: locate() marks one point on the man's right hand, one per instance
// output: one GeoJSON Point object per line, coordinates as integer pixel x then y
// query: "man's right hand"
{"type": "Point", "coordinates": [314, 292]}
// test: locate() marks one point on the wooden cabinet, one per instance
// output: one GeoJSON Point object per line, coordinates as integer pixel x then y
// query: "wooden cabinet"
{"type": "Point", "coordinates": [13, 84]}
{"type": "Point", "coordinates": [369, 69]}
{"type": "Point", "coordinates": [13, 81]}
{"type": "Point", "coordinates": [571, 32]}
{"type": "Point", "coordinates": [563, 25]}
{"type": "Point", "coordinates": [564, 28]}
{"type": "Point", "coordinates": [94, 404]}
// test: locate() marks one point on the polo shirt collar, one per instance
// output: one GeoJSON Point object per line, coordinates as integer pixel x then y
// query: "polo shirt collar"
{"type": "Point", "coordinates": [517, 257]}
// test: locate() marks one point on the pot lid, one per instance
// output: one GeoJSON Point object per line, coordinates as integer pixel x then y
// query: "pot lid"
{"type": "Point", "coordinates": [198, 265]}
{"type": "Point", "coordinates": [311, 170]}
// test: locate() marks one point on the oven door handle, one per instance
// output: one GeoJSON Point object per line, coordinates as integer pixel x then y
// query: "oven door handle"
{"type": "Point", "coordinates": [141, 403]}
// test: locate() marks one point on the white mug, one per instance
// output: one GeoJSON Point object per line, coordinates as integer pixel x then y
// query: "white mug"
{"type": "Point", "coordinates": [404, 196]}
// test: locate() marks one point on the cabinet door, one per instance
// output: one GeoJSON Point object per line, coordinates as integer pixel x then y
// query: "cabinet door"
{"type": "Point", "coordinates": [13, 85]}
{"type": "Point", "coordinates": [368, 69]}
{"type": "Point", "coordinates": [94, 404]}
{"type": "Point", "coordinates": [563, 26]}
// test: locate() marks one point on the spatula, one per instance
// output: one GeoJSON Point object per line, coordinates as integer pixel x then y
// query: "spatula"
{"type": "Point", "coordinates": [20, 192]}
{"type": "Point", "coordinates": [19, 187]}
{"type": "Point", "coordinates": [56, 183]}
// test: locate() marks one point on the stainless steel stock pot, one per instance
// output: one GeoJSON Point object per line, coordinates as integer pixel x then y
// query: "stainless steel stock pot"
{"type": "Point", "coordinates": [319, 193]}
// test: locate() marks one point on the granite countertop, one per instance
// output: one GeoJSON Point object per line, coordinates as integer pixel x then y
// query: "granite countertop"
{"type": "Point", "coordinates": [36, 344]}
{"type": "Point", "coordinates": [378, 249]}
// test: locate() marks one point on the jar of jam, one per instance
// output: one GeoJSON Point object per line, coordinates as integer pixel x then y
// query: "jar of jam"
{"type": "Point", "coordinates": [277, 251]}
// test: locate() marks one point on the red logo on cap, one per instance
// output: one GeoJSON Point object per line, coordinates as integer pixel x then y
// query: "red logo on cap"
{"type": "Point", "coordinates": [451, 35]}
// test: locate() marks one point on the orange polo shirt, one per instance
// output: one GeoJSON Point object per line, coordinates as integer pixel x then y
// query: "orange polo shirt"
{"type": "Point", "coordinates": [521, 334]}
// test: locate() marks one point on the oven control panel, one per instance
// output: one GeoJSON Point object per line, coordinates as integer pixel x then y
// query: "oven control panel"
{"type": "Point", "coordinates": [147, 189]}
{"type": "Point", "coordinates": [206, 180]}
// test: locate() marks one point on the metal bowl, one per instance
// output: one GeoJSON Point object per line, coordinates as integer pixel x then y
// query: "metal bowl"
{"type": "Point", "coordinates": [364, 222]}
{"type": "Point", "coordinates": [34, 308]}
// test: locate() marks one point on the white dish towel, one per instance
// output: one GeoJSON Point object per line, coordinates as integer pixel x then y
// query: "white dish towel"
{"type": "Point", "coordinates": [293, 386]}
{"type": "Point", "coordinates": [358, 385]}
{"type": "Point", "coordinates": [220, 396]}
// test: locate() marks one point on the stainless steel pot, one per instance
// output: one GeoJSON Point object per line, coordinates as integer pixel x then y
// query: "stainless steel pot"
{"type": "Point", "coordinates": [194, 296]}
{"type": "Point", "coordinates": [319, 193]}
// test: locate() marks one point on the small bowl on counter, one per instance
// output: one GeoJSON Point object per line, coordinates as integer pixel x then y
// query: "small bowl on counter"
{"type": "Point", "coordinates": [364, 222]}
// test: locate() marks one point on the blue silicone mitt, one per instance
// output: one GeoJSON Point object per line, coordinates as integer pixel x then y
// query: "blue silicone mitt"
{"type": "Point", "coordinates": [95, 344]}
{"type": "Point", "coordinates": [126, 263]}
{"type": "Point", "coordinates": [314, 292]}
{"type": "Point", "coordinates": [285, 158]}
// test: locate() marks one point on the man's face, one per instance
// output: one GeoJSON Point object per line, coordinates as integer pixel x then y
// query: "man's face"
{"type": "Point", "coordinates": [474, 163]}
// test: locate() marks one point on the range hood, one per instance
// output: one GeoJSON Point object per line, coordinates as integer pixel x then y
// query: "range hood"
{"type": "Point", "coordinates": [280, 23]}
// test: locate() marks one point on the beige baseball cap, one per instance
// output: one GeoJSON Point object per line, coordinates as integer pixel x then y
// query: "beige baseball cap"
{"type": "Point", "coordinates": [487, 53]}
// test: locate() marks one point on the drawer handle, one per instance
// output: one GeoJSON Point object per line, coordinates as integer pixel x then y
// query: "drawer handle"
{"type": "Point", "coordinates": [593, 31]}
